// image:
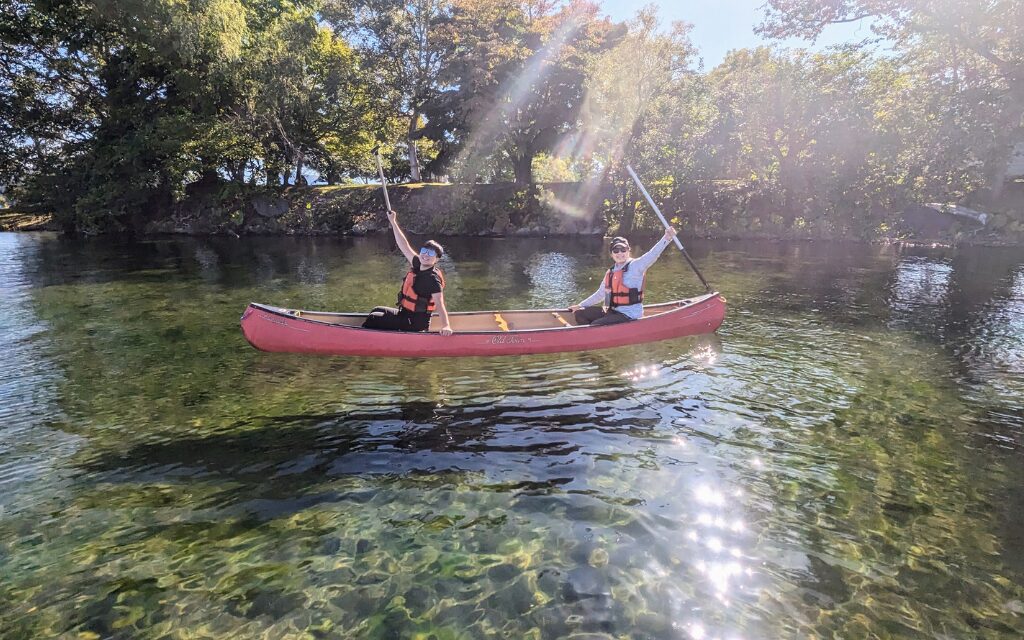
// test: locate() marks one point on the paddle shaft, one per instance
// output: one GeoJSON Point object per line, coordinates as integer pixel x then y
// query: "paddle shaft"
{"type": "Point", "coordinates": [383, 180]}
{"type": "Point", "coordinates": [679, 244]}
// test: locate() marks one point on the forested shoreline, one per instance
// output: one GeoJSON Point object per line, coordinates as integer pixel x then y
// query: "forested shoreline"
{"type": "Point", "coordinates": [138, 117]}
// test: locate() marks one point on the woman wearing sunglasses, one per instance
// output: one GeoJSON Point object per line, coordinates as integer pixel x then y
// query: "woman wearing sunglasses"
{"type": "Point", "coordinates": [622, 288]}
{"type": "Point", "coordinates": [422, 290]}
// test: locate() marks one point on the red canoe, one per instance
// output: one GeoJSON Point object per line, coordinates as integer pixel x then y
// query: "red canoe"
{"type": "Point", "coordinates": [477, 333]}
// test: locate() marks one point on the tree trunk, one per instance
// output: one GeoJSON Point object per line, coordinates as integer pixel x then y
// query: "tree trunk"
{"type": "Point", "coordinates": [628, 213]}
{"type": "Point", "coordinates": [237, 171]}
{"type": "Point", "coordinates": [522, 165]}
{"type": "Point", "coordinates": [298, 169]}
{"type": "Point", "coordinates": [788, 172]}
{"type": "Point", "coordinates": [996, 181]}
{"type": "Point", "coordinates": [998, 166]}
{"type": "Point", "coordinates": [38, 148]}
{"type": "Point", "coordinates": [996, 170]}
{"type": "Point", "coordinates": [414, 164]}
{"type": "Point", "coordinates": [209, 177]}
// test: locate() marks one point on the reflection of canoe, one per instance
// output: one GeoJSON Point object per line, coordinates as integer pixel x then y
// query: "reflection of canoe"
{"type": "Point", "coordinates": [477, 333]}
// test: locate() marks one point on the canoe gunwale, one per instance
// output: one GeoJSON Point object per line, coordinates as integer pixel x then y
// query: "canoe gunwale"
{"type": "Point", "coordinates": [675, 306]}
{"type": "Point", "coordinates": [278, 329]}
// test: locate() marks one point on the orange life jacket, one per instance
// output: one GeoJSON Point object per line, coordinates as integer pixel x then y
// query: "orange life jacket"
{"type": "Point", "coordinates": [409, 300]}
{"type": "Point", "coordinates": [620, 294]}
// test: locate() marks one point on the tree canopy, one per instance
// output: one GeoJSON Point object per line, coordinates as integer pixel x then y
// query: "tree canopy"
{"type": "Point", "coordinates": [113, 112]}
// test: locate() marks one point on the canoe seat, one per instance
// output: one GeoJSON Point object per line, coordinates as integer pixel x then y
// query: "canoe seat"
{"type": "Point", "coordinates": [506, 321]}
{"type": "Point", "coordinates": [467, 322]}
{"type": "Point", "coordinates": [526, 321]}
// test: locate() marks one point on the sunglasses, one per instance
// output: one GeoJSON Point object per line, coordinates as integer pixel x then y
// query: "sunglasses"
{"type": "Point", "coordinates": [430, 253]}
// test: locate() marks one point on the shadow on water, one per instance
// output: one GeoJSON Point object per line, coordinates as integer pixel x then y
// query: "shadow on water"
{"type": "Point", "coordinates": [387, 441]}
{"type": "Point", "coordinates": [517, 423]}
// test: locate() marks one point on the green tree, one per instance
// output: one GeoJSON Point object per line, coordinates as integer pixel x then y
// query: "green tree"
{"type": "Point", "coordinates": [136, 76]}
{"type": "Point", "coordinates": [307, 100]}
{"type": "Point", "coordinates": [404, 47]}
{"type": "Point", "coordinates": [514, 83]}
{"type": "Point", "coordinates": [791, 119]}
{"type": "Point", "coordinates": [639, 111]}
{"type": "Point", "coordinates": [118, 109]}
{"type": "Point", "coordinates": [982, 43]}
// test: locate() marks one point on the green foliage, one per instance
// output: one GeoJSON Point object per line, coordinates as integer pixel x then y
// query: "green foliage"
{"type": "Point", "coordinates": [547, 168]}
{"type": "Point", "coordinates": [147, 103]}
{"type": "Point", "coordinates": [404, 47]}
{"type": "Point", "coordinates": [514, 84]}
{"type": "Point", "coordinates": [969, 57]}
{"type": "Point", "coordinates": [115, 112]}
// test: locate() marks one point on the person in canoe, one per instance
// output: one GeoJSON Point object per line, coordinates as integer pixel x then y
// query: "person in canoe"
{"type": "Point", "coordinates": [622, 288]}
{"type": "Point", "coordinates": [422, 290]}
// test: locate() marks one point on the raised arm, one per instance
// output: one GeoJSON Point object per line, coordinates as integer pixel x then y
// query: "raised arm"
{"type": "Point", "coordinates": [646, 260]}
{"type": "Point", "coordinates": [400, 239]}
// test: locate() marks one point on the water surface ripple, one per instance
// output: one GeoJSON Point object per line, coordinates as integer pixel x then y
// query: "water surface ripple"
{"type": "Point", "coordinates": [842, 460]}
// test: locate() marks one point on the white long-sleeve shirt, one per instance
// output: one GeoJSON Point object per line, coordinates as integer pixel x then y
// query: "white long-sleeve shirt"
{"type": "Point", "coordinates": [633, 278]}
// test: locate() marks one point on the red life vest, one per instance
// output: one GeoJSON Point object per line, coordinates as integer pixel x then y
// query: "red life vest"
{"type": "Point", "coordinates": [620, 295]}
{"type": "Point", "coordinates": [409, 300]}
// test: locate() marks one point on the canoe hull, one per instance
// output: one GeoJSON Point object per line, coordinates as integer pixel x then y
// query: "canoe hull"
{"type": "Point", "coordinates": [272, 329]}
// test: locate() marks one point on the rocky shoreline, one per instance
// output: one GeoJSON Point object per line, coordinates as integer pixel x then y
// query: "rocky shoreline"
{"type": "Point", "coordinates": [16, 221]}
{"type": "Point", "coordinates": [489, 210]}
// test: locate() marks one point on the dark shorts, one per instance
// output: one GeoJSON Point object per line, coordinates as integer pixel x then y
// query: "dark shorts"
{"type": "Point", "coordinates": [598, 316]}
{"type": "Point", "coordinates": [392, 319]}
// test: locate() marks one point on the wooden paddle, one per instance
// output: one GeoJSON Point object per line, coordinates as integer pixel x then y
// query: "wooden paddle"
{"type": "Point", "coordinates": [679, 244]}
{"type": "Point", "coordinates": [383, 180]}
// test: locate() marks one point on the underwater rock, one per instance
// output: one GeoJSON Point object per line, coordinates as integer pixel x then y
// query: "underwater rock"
{"type": "Point", "coordinates": [418, 600]}
{"type": "Point", "coordinates": [330, 546]}
{"type": "Point", "coordinates": [549, 581]}
{"type": "Point", "coordinates": [502, 572]}
{"type": "Point", "coordinates": [273, 603]}
{"type": "Point", "coordinates": [585, 582]}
